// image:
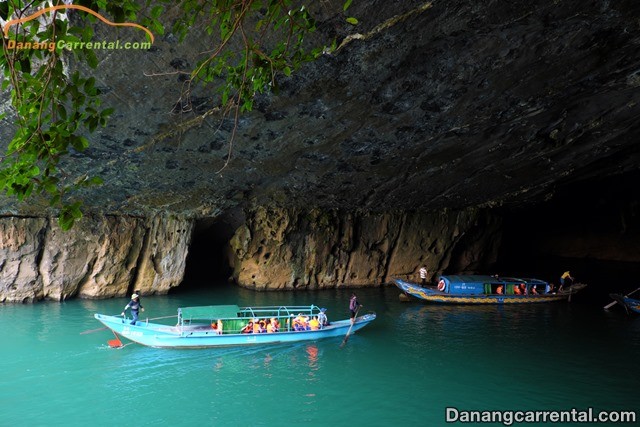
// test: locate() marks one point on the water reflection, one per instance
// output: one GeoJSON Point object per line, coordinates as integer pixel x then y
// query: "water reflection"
{"type": "Point", "coordinates": [312, 353]}
{"type": "Point", "coordinates": [267, 359]}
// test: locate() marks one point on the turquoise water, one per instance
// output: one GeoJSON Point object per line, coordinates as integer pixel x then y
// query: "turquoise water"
{"type": "Point", "coordinates": [405, 368]}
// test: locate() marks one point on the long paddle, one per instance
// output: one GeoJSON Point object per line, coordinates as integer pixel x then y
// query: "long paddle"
{"type": "Point", "coordinates": [608, 306]}
{"type": "Point", "coordinates": [90, 331]}
{"type": "Point", "coordinates": [355, 318]}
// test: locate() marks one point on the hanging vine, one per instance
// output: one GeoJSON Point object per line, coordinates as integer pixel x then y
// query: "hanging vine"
{"type": "Point", "coordinates": [57, 110]}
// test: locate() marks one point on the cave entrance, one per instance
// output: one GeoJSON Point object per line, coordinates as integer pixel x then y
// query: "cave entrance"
{"type": "Point", "coordinates": [207, 264]}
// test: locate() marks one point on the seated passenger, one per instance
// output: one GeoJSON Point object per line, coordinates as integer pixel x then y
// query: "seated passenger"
{"type": "Point", "coordinates": [300, 323]}
{"type": "Point", "coordinates": [296, 325]}
{"type": "Point", "coordinates": [217, 326]}
{"type": "Point", "coordinates": [516, 290]}
{"type": "Point", "coordinates": [273, 326]}
{"type": "Point", "coordinates": [499, 290]}
{"type": "Point", "coordinates": [314, 324]}
{"type": "Point", "coordinates": [305, 323]}
{"type": "Point", "coordinates": [533, 290]}
{"type": "Point", "coordinates": [248, 329]}
{"type": "Point", "coordinates": [257, 326]}
{"type": "Point", "coordinates": [523, 289]}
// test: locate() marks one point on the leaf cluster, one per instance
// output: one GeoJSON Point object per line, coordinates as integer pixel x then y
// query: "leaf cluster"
{"type": "Point", "coordinates": [55, 108]}
{"type": "Point", "coordinates": [254, 41]}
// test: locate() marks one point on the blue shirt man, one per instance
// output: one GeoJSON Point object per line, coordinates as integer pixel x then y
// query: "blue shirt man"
{"type": "Point", "coordinates": [135, 307]}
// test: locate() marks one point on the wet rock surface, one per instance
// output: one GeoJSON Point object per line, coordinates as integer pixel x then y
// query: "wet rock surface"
{"type": "Point", "coordinates": [300, 249]}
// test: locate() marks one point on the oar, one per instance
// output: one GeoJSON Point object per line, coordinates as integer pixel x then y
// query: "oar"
{"type": "Point", "coordinates": [608, 306]}
{"type": "Point", "coordinates": [90, 331]}
{"type": "Point", "coordinates": [355, 318]}
{"type": "Point", "coordinates": [116, 342]}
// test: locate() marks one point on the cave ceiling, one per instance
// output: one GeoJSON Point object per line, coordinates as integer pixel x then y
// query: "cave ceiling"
{"type": "Point", "coordinates": [425, 106]}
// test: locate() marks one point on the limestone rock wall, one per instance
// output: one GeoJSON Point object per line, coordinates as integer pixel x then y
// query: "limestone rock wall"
{"type": "Point", "coordinates": [100, 257]}
{"type": "Point", "coordinates": [291, 249]}
{"type": "Point", "coordinates": [20, 254]}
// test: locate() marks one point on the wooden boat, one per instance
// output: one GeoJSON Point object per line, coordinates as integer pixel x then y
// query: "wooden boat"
{"type": "Point", "coordinates": [195, 327]}
{"type": "Point", "coordinates": [479, 289]}
{"type": "Point", "coordinates": [629, 304]}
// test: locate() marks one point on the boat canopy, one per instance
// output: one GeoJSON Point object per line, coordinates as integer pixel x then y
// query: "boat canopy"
{"type": "Point", "coordinates": [209, 312]}
{"type": "Point", "coordinates": [222, 312]}
{"type": "Point", "coordinates": [484, 284]}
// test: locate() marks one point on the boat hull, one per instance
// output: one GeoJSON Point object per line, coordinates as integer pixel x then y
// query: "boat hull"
{"type": "Point", "coordinates": [630, 304]}
{"type": "Point", "coordinates": [164, 336]}
{"type": "Point", "coordinates": [435, 296]}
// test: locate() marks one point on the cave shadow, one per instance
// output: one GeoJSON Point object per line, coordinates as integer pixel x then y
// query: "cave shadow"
{"type": "Point", "coordinates": [207, 263]}
{"type": "Point", "coordinates": [607, 210]}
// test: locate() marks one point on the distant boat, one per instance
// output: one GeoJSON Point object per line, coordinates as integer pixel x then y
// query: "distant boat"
{"type": "Point", "coordinates": [627, 303]}
{"type": "Point", "coordinates": [479, 289]}
{"type": "Point", "coordinates": [195, 329]}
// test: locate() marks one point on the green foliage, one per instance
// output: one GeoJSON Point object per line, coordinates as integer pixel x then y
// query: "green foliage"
{"type": "Point", "coordinates": [351, 20]}
{"type": "Point", "coordinates": [258, 39]}
{"type": "Point", "coordinates": [55, 109]}
{"type": "Point", "coordinates": [254, 41]}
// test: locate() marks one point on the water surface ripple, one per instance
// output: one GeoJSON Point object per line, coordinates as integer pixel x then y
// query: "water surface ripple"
{"type": "Point", "coordinates": [403, 369]}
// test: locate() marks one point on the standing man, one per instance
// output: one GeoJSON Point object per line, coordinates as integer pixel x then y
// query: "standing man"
{"type": "Point", "coordinates": [135, 306]}
{"type": "Point", "coordinates": [354, 305]}
{"type": "Point", "coordinates": [423, 276]}
{"type": "Point", "coordinates": [567, 279]}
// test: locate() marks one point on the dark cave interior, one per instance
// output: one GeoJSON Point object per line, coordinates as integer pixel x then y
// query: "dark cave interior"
{"type": "Point", "coordinates": [608, 209]}
{"type": "Point", "coordinates": [207, 261]}
{"type": "Point", "coordinates": [605, 207]}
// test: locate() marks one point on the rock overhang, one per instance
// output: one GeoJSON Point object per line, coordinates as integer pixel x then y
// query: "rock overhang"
{"type": "Point", "coordinates": [456, 105]}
